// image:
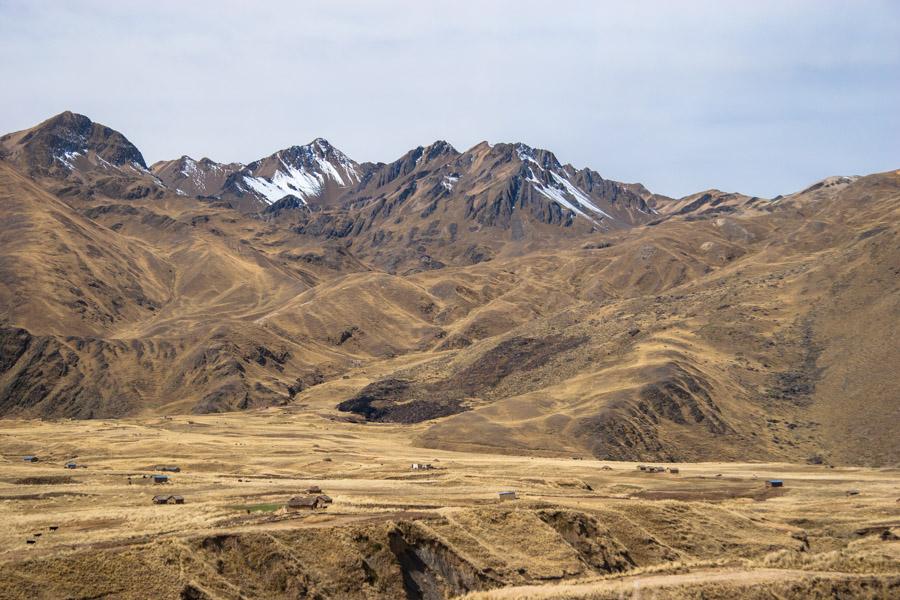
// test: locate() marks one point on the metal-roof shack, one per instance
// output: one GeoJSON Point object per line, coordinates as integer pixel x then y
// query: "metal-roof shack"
{"type": "Point", "coordinates": [774, 483]}
{"type": "Point", "coordinates": [30, 458]}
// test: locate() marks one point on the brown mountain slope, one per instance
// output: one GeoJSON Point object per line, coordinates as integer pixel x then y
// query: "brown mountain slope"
{"type": "Point", "coordinates": [708, 203]}
{"type": "Point", "coordinates": [478, 291]}
{"type": "Point", "coordinates": [63, 274]}
{"type": "Point", "coordinates": [127, 307]}
{"type": "Point", "coordinates": [747, 360]}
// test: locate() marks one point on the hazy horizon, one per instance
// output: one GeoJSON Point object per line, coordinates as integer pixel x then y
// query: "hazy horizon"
{"type": "Point", "coordinates": [760, 98]}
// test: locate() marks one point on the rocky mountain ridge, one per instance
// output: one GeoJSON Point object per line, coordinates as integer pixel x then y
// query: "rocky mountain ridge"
{"type": "Point", "coordinates": [491, 294]}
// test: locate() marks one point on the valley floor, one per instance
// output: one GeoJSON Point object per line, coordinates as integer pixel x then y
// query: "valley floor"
{"type": "Point", "coordinates": [580, 528]}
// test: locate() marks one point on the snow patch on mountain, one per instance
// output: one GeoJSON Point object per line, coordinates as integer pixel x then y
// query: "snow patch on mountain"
{"type": "Point", "coordinates": [66, 158]}
{"type": "Point", "coordinates": [579, 195]}
{"type": "Point", "coordinates": [525, 153]}
{"type": "Point", "coordinates": [290, 181]}
{"type": "Point", "coordinates": [566, 194]}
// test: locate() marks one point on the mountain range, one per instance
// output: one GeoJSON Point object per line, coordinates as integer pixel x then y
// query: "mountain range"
{"type": "Point", "coordinates": [493, 299]}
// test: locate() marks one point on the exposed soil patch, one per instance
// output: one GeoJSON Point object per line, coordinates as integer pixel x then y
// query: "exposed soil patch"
{"type": "Point", "coordinates": [44, 480]}
{"type": "Point", "coordinates": [756, 493]}
{"type": "Point", "coordinates": [397, 400]}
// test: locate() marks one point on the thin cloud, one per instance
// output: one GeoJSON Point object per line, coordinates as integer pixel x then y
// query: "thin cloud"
{"type": "Point", "coordinates": [760, 97]}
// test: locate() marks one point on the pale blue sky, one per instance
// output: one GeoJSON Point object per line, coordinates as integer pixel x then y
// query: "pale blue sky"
{"type": "Point", "coordinates": [758, 97]}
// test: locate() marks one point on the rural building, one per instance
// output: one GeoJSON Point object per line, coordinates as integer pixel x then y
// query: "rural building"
{"type": "Point", "coordinates": [160, 479]}
{"type": "Point", "coordinates": [507, 495]}
{"type": "Point", "coordinates": [30, 458]}
{"type": "Point", "coordinates": [168, 468]}
{"type": "Point", "coordinates": [71, 465]}
{"type": "Point", "coordinates": [673, 470]}
{"type": "Point", "coordinates": [774, 483]}
{"type": "Point", "coordinates": [421, 466]}
{"type": "Point", "coordinates": [304, 503]}
{"type": "Point", "coordinates": [168, 499]}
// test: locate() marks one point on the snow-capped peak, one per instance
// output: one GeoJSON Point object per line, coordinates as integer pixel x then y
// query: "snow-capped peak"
{"type": "Point", "coordinates": [301, 171]}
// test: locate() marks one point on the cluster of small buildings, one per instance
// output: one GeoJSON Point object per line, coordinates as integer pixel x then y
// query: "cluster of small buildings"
{"type": "Point", "coordinates": [31, 458]}
{"type": "Point", "coordinates": [652, 469]}
{"type": "Point", "coordinates": [421, 466]}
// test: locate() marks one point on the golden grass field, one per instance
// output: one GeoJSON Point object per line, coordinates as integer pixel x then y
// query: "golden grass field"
{"type": "Point", "coordinates": [581, 528]}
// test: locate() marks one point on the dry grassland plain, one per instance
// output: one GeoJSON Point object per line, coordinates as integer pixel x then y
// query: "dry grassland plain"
{"type": "Point", "coordinates": [580, 528]}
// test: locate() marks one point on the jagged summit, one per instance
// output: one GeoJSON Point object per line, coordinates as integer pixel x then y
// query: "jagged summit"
{"type": "Point", "coordinates": [69, 141]}
{"type": "Point", "coordinates": [314, 172]}
{"type": "Point", "coordinates": [76, 155]}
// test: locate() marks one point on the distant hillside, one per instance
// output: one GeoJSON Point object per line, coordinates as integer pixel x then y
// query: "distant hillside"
{"type": "Point", "coordinates": [512, 303]}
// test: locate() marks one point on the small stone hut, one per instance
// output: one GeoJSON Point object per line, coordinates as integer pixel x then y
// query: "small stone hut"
{"type": "Point", "coordinates": [304, 503]}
